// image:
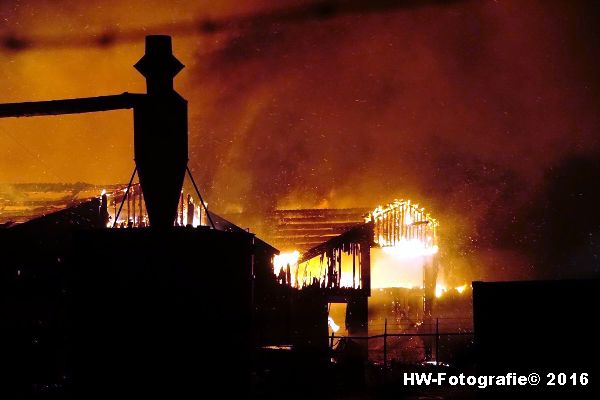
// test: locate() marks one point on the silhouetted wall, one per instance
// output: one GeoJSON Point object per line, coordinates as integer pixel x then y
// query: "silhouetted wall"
{"type": "Point", "coordinates": [536, 326]}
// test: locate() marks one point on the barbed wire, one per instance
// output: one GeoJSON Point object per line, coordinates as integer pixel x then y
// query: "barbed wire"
{"type": "Point", "coordinates": [320, 10]}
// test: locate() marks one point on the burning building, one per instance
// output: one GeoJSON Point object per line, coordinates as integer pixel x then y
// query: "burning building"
{"type": "Point", "coordinates": [348, 253]}
{"type": "Point", "coordinates": [374, 100]}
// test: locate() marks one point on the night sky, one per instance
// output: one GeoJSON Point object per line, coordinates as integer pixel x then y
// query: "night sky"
{"type": "Point", "coordinates": [484, 112]}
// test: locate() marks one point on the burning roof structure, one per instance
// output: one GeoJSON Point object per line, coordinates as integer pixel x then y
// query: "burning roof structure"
{"type": "Point", "coordinates": [22, 202]}
{"type": "Point", "coordinates": [302, 229]}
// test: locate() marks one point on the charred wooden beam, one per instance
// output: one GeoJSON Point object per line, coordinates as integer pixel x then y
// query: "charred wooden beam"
{"type": "Point", "coordinates": [359, 234]}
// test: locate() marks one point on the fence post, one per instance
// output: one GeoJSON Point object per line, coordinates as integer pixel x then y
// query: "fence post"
{"type": "Point", "coordinates": [437, 341]}
{"type": "Point", "coordinates": [332, 336]}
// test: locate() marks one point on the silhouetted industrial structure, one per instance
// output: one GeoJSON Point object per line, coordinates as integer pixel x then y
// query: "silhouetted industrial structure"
{"type": "Point", "coordinates": [170, 306]}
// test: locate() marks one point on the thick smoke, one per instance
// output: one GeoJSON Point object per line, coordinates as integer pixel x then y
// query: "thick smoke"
{"type": "Point", "coordinates": [461, 106]}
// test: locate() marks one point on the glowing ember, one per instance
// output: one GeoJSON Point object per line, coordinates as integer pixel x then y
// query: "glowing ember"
{"type": "Point", "coordinates": [461, 289]}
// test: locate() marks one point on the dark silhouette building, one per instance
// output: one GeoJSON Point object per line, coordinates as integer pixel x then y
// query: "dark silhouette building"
{"type": "Point", "coordinates": [159, 310]}
{"type": "Point", "coordinates": [543, 327]}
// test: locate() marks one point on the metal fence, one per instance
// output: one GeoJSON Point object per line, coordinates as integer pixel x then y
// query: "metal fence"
{"type": "Point", "coordinates": [447, 341]}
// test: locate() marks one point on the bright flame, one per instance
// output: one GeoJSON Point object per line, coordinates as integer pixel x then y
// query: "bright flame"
{"type": "Point", "coordinates": [410, 249]}
{"type": "Point", "coordinates": [403, 229]}
{"type": "Point", "coordinates": [439, 290]}
{"type": "Point", "coordinates": [391, 267]}
{"type": "Point", "coordinates": [346, 280]}
{"type": "Point", "coordinates": [334, 327]}
{"type": "Point", "coordinates": [196, 218]}
{"type": "Point", "coordinates": [283, 259]}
